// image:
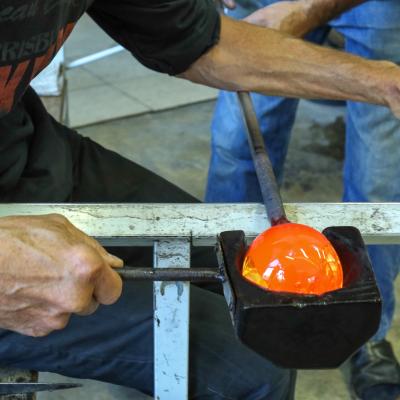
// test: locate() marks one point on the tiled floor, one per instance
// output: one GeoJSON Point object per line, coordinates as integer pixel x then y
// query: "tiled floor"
{"type": "Point", "coordinates": [119, 84]}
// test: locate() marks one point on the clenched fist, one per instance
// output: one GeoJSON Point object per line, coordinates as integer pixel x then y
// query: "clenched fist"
{"type": "Point", "coordinates": [49, 270]}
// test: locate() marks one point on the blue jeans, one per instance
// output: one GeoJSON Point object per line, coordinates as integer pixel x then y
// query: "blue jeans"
{"type": "Point", "coordinates": [372, 166]}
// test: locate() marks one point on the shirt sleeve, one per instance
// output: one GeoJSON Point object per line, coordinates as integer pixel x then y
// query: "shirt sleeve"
{"type": "Point", "coordinates": [164, 35]}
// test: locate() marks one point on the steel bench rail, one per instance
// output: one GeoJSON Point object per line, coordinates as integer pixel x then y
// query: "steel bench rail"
{"type": "Point", "coordinates": [142, 224]}
{"type": "Point", "coordinates": [171, 228]}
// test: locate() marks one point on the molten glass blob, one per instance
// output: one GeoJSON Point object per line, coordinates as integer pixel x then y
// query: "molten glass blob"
{"type": "Point", "coordinates": [293, 258]}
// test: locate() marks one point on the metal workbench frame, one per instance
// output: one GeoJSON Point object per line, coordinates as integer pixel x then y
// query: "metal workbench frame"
{"type": "Point", "coordinates": [142, 224]}
{"type": "Point", "coordinates": [171, 228]}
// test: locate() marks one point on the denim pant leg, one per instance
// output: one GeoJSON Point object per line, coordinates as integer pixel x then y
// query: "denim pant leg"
{"type": "Point", "coordinates": [231, 176]}
{"type": "Point", "coordinates": [116, 345]}
{"type": "Point", "coordinates": [372, 165]}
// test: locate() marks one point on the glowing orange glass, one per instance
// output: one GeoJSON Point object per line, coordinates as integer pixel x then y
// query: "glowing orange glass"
{"type": "Point", "coordinates": [293, 258]}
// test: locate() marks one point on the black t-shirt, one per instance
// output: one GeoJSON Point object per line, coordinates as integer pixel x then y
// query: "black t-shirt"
{"type": "Point", "coordinates": [165, 35]}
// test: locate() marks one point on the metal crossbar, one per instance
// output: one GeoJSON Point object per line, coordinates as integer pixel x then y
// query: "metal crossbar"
{"type": "Point", "coordinates": [142, 224]}
{"type": "Point", "coordinates": [170, 228]}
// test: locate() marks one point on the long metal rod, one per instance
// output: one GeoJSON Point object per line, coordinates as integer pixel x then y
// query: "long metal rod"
{"type": "Point", "coordinates": [25, 388]}
{"type": "Point", "coordinates": [94, 57]}
{"type": "Point", "coordinates": [170, 274]}
{"type": "Point", "coordinates": [265, 173]}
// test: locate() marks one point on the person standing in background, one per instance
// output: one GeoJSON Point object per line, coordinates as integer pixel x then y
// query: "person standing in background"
{"type": "Point", "coordinates": [371, 169]}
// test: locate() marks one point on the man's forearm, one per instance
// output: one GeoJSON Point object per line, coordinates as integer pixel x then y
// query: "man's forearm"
{"type": "Point", "coordinates": [257, 59]}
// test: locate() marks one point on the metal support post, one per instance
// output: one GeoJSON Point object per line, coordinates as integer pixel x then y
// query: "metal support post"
{"type": "Point", "coordinates": [171, 323]}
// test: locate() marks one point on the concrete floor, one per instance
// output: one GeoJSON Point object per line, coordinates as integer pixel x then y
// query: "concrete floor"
{"type": "Point", "coordinates": [120, 84]}
{"type": "Point", "coordinates": [313, 173]}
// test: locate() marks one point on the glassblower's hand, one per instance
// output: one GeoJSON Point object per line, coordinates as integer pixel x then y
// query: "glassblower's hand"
{"type": "Point", "coordinates": [231, 4]}
{"type": "Point", "coordinates": [286, 16]}
{"type": "Point", "coordinates": [49, 270]}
